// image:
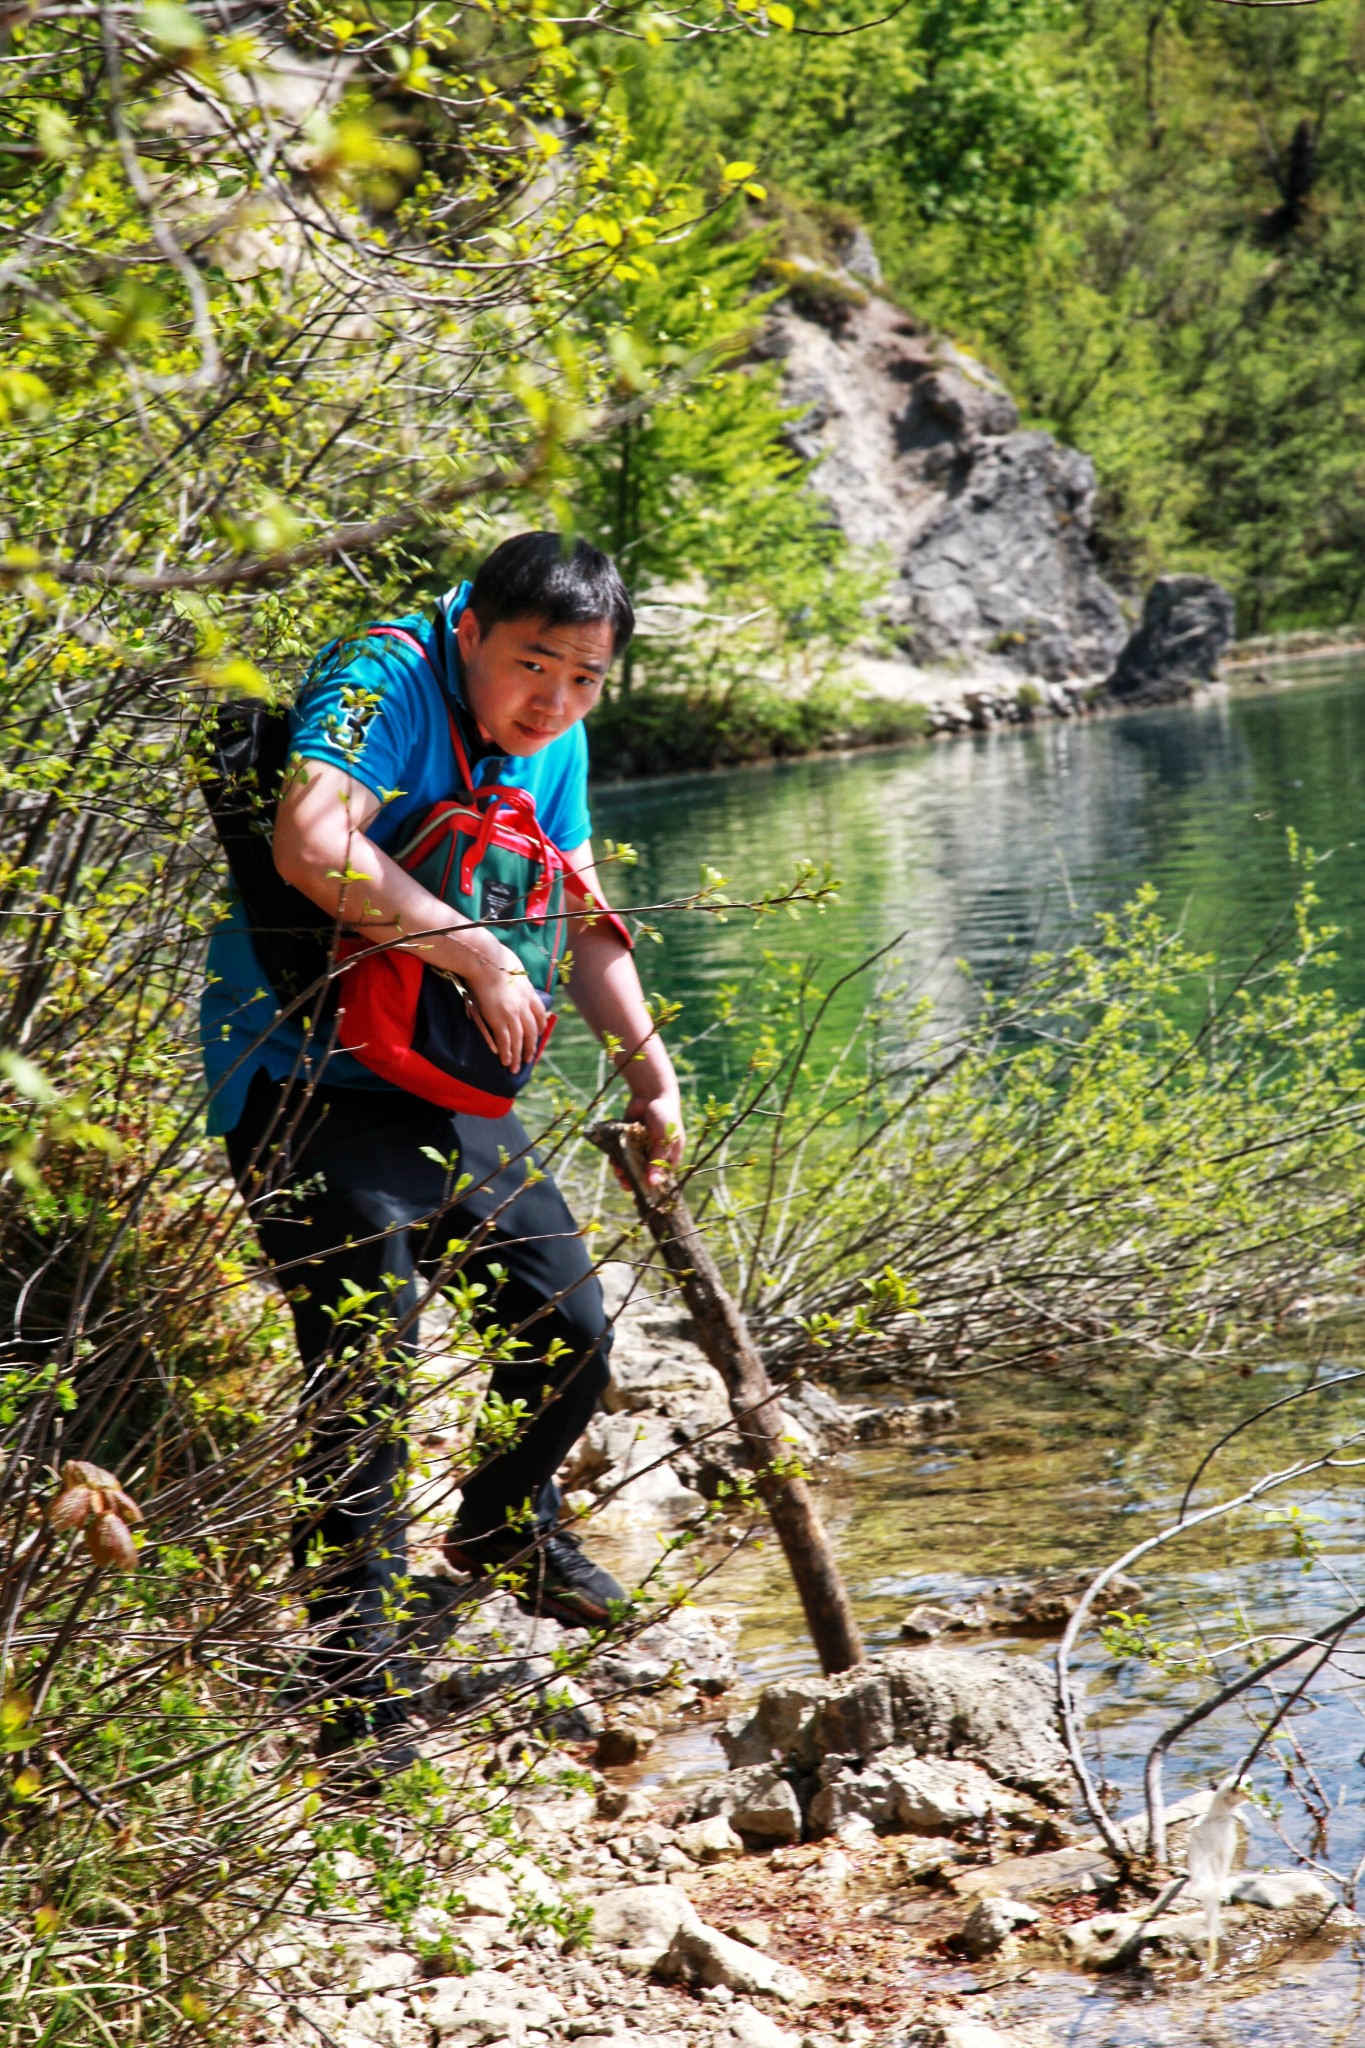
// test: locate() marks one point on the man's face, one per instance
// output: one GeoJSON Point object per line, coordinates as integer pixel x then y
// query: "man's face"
{"type": "Point", "coordinates": [526, 681]}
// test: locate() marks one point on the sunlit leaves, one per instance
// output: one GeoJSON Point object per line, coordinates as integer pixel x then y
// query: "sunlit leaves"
{"type": "Point", "coordinates": [1071, 1179]}
{"type": "Point", "coordinates": [172, 26]}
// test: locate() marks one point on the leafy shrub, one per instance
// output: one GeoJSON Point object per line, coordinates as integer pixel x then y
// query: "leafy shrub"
{"type": "Point", "coordinates": [1127, 1161]}
{"type": "Point", "coordinates": [680, 730]}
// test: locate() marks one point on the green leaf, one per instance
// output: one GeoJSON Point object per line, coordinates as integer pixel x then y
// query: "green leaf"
{"type": "Point", "coordinates": [16, 1711]}
{"type": "Point", "coordinates": [56, 133]}
{"type": "Point", "coordinates": [28, 1080]}
{"type": "Point", "coordinates": [236, 676]}
{"type": "Point", "coordinates": [171, 26]}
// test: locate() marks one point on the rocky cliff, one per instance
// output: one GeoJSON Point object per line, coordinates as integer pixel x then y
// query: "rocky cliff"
{"type": "Point", "coordinates": [918, 450]}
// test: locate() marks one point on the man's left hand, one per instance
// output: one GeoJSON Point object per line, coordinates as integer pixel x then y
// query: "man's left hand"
{"type": "Point", "coordinates": [661, 1115]}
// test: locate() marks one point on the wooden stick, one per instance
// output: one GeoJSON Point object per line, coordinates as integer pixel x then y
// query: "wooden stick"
{"type": "Point", "coordinates": [724, 1337]}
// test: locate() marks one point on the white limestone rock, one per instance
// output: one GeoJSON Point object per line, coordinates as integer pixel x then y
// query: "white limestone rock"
{"type": "Point", "coordinates": [750, 2028]}
{"type": "Point", "coordinates": [1279, 1891]}
{"type": "Point", "coordinates": [627, 1462]}
{"type": "Point", "coordinates": [702, 1955]}
{"type": "Point", "coordinates": [380, 2022]}
{"type": "Point", "coordinates": [710, 1840]}
{"type": "Point", "coordinates": [389, 1970]}
{"type": "Point", "coordinates": [991, 1924]}
{"type": "Point", "coordinates": [488, 2006]}
{"type": "Point", "coordinates": [898, 1789]}
{"type": "Point", "coordinates": [641, 1921]}
{"type": "Point", "coordinates": [486, 1892]}
{"type": "Point", "coordinates": [979, 1705]}
{"type": "Point", "coordinates": [758, 1802]}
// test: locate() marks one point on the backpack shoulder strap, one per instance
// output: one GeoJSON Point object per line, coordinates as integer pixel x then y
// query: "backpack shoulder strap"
{"type": "Point", "coordinates": [411, 640]}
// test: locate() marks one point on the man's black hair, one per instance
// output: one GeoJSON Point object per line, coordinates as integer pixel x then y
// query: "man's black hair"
{"type": "Point", "coordinates": [534, 576]}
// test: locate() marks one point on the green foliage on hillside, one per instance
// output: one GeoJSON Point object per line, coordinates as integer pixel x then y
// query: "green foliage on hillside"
{"type": "Point", "coordinates": [1150, 220]}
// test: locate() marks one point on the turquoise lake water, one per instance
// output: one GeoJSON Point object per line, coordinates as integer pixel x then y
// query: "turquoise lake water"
{"type": "Point", "coordinates": [980, 848]}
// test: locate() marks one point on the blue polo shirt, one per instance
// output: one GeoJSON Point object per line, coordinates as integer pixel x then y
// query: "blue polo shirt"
{"type": "Point", "coordinates": [376, 711]}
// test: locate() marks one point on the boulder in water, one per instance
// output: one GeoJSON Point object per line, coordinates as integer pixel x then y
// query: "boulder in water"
{"type": "Point", "coordinates": [1187, 626]}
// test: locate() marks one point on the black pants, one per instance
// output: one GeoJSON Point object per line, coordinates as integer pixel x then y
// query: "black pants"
{"type": "Point", "coordinates": [355, 1194]}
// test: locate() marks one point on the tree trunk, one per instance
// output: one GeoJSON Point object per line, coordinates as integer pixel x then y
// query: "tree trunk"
{"type": "Point", "coordinates": [625, 530]}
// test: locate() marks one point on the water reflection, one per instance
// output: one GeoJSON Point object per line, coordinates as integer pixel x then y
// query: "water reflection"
{"type": "Point", "coordinates": [981, 848]}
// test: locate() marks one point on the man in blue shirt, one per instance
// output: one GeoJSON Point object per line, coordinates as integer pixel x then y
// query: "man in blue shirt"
{"type": "Point", "coordinates": [359, 1190]}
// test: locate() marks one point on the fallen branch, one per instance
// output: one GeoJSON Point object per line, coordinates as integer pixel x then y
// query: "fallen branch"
{"type": "Point", "coordinates": [724, 1337]}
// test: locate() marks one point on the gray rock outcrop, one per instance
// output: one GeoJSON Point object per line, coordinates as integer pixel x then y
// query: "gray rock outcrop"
{"type": "Point", "coordinates": [918, 450]}
{"type": "Point", "coordinates": [1187, 626]}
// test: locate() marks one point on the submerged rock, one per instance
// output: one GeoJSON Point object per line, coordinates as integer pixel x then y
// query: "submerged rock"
{"type": "Point", "coordinates": [929, 1619]}
{"type": "Point", "coordinates": [1020, 1607]}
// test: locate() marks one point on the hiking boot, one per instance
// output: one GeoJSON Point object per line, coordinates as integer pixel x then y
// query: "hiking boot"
{"type": "Point", "coordinates": [552, 1574]}
{"type": "Point", "coordinates": [365, 1742]}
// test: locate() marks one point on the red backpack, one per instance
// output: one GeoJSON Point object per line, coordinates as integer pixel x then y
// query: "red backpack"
{"type": "Point", "coordinates": [484, 852]}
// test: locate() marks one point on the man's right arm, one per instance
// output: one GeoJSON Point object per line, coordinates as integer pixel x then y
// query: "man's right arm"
{"type": "Point", "coordinates": [320, 847]}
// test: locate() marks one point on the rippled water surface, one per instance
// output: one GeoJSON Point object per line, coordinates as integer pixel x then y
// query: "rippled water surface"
{"type": "Point", "coordinates": [978, 850]}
